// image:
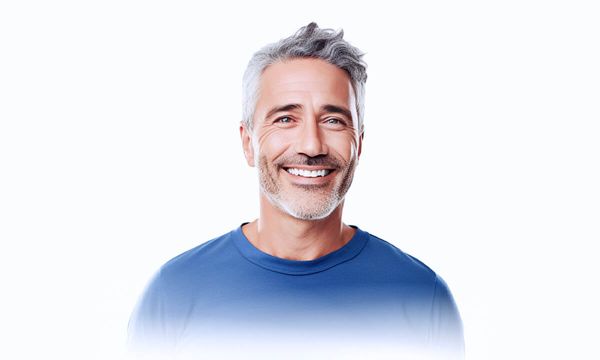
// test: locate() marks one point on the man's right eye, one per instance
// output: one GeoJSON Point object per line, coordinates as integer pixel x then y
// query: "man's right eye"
{"type": "Point", "coordinates": [284, 120]}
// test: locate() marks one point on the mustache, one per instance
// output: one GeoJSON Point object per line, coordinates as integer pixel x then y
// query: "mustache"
{"type": "Point", "coordinates": [319, 160]}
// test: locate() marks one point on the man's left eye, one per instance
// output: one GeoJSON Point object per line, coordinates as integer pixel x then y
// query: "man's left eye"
{"type": "Point", "coordinates": [334, 121]}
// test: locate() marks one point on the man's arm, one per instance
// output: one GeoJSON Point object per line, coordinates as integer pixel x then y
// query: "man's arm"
{"type": "Point", "coordinates": [147, 328]}
{"type": "Point", "coordinates": [446, 336]}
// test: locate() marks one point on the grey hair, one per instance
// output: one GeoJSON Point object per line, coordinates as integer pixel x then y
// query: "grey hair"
{"type": "Point", "coordinates": [308, 42]}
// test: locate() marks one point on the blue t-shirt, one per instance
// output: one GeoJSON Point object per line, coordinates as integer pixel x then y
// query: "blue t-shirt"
{"type": "Point", "coordinates": [227, 299]}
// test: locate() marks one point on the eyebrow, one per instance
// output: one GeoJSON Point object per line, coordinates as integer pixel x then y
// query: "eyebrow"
{"type": "Point", "coordinates": [283, 108]}
{"type": "Point", "coordinates": [338, 110]}
{"type": "Point", "coordinates": [326, 108]}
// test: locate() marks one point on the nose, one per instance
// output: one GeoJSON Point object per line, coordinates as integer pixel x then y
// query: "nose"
{"type": "Point", "coordinates": [310, 141]}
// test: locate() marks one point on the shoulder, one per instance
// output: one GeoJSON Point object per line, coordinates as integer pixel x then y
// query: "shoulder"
{"type": "Point", "coordinates": [402, 267]}
{"type": "Point", "coordinates": [393, 260]}
{"type": "Point", "coordinates": [199, 259]}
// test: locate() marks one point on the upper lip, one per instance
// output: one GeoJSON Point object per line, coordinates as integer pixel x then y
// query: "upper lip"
{"type": "Point", "coordinates": [309, 168]}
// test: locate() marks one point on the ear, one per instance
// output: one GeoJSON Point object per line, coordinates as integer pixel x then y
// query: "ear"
{"type": "Point", "coordinates": [246, 136]}
{"type": "Point", "coordinates": [360, 141]}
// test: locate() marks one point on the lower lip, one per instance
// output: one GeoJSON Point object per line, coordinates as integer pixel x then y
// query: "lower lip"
{"type": "Point", "coordinates": [319, 180]}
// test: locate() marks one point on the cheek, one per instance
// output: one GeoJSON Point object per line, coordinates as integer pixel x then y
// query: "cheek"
{"type": "Point", "coordinates": [273, 144]}
{"type": "Point", "coordinates": [344, 146]}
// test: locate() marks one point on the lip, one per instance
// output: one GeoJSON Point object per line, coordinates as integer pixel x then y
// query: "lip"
{"type": "Point", "coordinates": [300, 180]}
{"type": "Point", "coordinates": [304, 167]}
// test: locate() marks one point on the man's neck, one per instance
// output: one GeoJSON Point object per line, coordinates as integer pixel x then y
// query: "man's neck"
{"type": "Point", "coordinates": [283, 236]}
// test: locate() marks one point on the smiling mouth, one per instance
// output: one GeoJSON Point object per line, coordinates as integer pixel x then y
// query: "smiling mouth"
{"type": "Point", "coordinates": [308, 173]}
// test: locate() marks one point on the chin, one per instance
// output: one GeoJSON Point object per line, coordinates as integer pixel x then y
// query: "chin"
{"type": "Point", "coordinates": [309, 216]}
{"type": "Point", "coordinates": [304, 213]}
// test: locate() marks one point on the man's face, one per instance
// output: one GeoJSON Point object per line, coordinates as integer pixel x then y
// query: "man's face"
{"type": "Point", "coordinates": [305, 140]}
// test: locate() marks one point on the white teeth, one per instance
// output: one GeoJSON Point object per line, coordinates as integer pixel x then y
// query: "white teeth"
{"type": "Point", "coordinates": [308, 173]}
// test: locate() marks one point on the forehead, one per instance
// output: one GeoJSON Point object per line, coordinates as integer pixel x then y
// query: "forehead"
{"type": "Point", "coordinates": [302, 79]}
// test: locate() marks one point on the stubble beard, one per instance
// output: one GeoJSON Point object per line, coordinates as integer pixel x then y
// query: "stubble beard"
{"type": "Point", "coordinates": [318, 201]}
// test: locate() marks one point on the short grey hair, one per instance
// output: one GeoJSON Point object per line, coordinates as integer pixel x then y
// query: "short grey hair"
{"type": "Point", "coordinates": [308, 42]}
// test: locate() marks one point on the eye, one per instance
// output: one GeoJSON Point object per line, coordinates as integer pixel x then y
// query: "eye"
{"type": "Point", "coordinates": [334, 121]}
{"type": "Point", "coordinates": [284, 120]}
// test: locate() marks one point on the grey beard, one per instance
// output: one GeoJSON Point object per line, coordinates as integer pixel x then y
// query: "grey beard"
{"type": "Point", "coordinates": [270, 188]}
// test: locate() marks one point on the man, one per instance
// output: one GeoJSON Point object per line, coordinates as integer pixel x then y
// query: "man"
{"type": "Point", "coordinates": [297, 282]}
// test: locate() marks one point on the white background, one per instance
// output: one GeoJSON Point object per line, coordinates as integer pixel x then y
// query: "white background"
{"type": "Point", "coordinates": [119, 149]}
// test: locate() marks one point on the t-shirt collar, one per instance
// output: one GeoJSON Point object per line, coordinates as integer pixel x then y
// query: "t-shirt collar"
{"type": "Point", "coordinates": [299, 267]}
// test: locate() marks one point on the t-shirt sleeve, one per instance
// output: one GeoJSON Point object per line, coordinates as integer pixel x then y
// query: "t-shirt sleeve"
{"type": "Point", "coordinates": [447, 330]}
{"type": "Point", "coordinates": [147, 328]}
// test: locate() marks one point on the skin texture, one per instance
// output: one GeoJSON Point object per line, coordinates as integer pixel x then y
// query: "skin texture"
{"type": "Point", "coordinates": [300, 218]}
